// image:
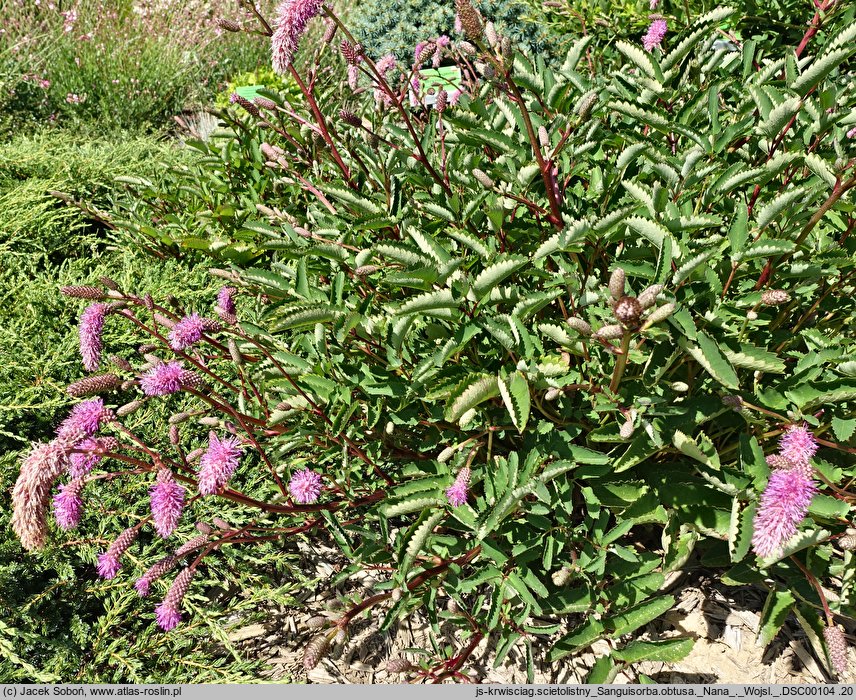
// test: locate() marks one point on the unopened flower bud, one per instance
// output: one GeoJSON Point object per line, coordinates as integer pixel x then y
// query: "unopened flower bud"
{"type": "Point", "coordinates": [228, 24]}
{"type": "Point", "coordinates": [109, 283]}
{"type": "Point", "coordinates": [265, 103]}
{"type": "Point", "coordinates": [543, 136]}
{"type": "Point", "coordinates": [121, 363]}
{"type": "Point", "coordinates": [349, 117]}
{"type": "Point", "coordinates": [83, 292]}
{"type": "Point", "coordinates": [210, 421]}
{"type": "Point", "coordinates": [315, 650]}
{"type": "Point", "coordinates": [194, 455]}
{"type": "Point", "coordinates": [648, 297]}
{"type": "Point", "coordinates": [341, 636]}
{"type": "Point", "coordinates": [609, 332]}
{"type": "Point", "coordinates": [93, 385]}
{"type": "Point", "coordinates": [659, 315]}
{"type": "Point", "coordinates": [329, 32]}
{"type": "Point", "coordinates": [317, 622]}
{"type": "Point", "coordinates": [235, 352]}
{"type": "Point", "coordinates": [129, 408]}
{"type": "Point", "coordinates": [177, 418]}
{"type": "Point", "coordinates": [398, 665]}
{"type": "Point", "coordinates": [174, 436]}
{"type": "Point", "coordinates": [425, 52]}
{"type": "Point", "coordinates": [562, 576]}
{"type": "Point", "coordinates": [250, 107]}
{"type": "Point", "coordinates": [552, 394]}
{"type": "Point", "coordinates": [396, 595]}
{"type": "Point", "coordinates": [506, 48]}
{"type": "Point", "coordinates": [680, 387]}
{"type": "Point", "coordinates": [164, 321]}
{"type": "Point", "coordinates": [194, 543]}
{"type": "Point", "coordinates": [452, 606]}
{"type": "Point", "coordinates": [471, 21]}
{"type": "Point", "coordinates": [442, 101]}
{"type": "Point", "coordinates": [490, 34]}
{"type": "Point", "coordinates": [579, 326]}
{"type": "Point", "coordinates": [128, 384]}
{"type": "Point", "coordinates": [482, 177]}
{"type": "Point", "coordinates": [837, 646]}
{"type": "Point", "coordinates": [585, 105]}
{"type": "Point", "coordinates": [775, 297]}
{"type": "Point", "coordinates": [349, 52]}
{"type": "Point", "coordinates": [616, 283]}
{"type": "Point", "coordinates": [364, 270]}
{"type": "Point", "coordinates": [626, 430]}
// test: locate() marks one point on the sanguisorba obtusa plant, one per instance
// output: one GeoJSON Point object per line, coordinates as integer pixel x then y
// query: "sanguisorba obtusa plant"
{"type": "Point", "coordinates": [530, 349]}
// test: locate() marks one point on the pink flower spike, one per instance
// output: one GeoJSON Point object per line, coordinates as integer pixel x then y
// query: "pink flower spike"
{"type": "Point", "coordinates": [165, 378]}
{"type": "Point", "coordinates": [68, 505]}
{"type": "Point", "coordinates": [457, 492]}
{"type": "Point", "coordinates": [167, 617]}
{"type": "Point", "coordinates": [656, 34]}
{"type": "Point", "coordinates": [186, 332]}
{"type": "Point", "coordinates": [81, 463]}
{"type": "Point", "coordinates": [797, 445]}
{"type": "Point", "coordinates": [108, 562]}
{"type": "Point", "coordinates": [292, 18]}
{"type": "Point", "coordinates": [305, 486]}
{"type": "Point", "coordinates": [84, 421]}
{"type": "Point", "coordinates": [89, 330]}
{"type": "Point", "coordinates": [782, 507]}
{"type": "Point", "coordinates": [167, 503]}
{"type": "Point", "coordinates": [226, 303]}
{"type": "Point", "coordinates": [168, 613]}
{"type": "Point", "coordinates": [218, 463]}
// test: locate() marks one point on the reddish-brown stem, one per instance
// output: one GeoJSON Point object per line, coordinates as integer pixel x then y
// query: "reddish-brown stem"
{"type": "Point", "coordinates": [322, 125]}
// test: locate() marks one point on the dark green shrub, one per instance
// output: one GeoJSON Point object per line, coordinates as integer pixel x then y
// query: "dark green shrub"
{"type": "Point", "coordinates": [458, 293]}
{"type": "Point", "coordinates": [397, 27]}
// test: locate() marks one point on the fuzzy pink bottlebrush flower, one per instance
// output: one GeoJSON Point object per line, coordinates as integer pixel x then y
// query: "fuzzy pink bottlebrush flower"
{"type": "Point", "coordinates": [81, 463]}
{"type": "Point", "coordinates": [153, 573]}
{"type": "Point", "coordinates": [797, 445]}
{"type": "Point", "coordinates": [457, 492]}
{"type": "Point", "coordinates": [108, 562]}
{"type": "Point", "coordinates": [89, 331]}
{"type": "Point", "coordinates": [84, 421]}
{"type": "Point", "coordinates": [68, 505]}
{"type": "Point", "coordinates": [292, 18]}
{"type": "Point", "coordinates": [305, 486]}
{"type": "Point", "coordinates": [852, 133]}
{"type": "Point", "coordinates": [782, 507]}
{"type": "Point", "coordinates": [165, 378]}
{"type": "Point", "coordinates": [166, 498]}
{"type": "Point", "coordinates": [218, 463]}
{"type": "Point", "coordinates": [168, 613]}
{"type": "Point", "coordinates": [32, 492]}
{"type": "Point", "coordinates": [655, 35]}
{"type": "Point", "coordinates": [186, 332]}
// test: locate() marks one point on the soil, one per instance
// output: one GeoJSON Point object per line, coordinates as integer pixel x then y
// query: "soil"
{"type": "Point", "coordinates": [723, 621]}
